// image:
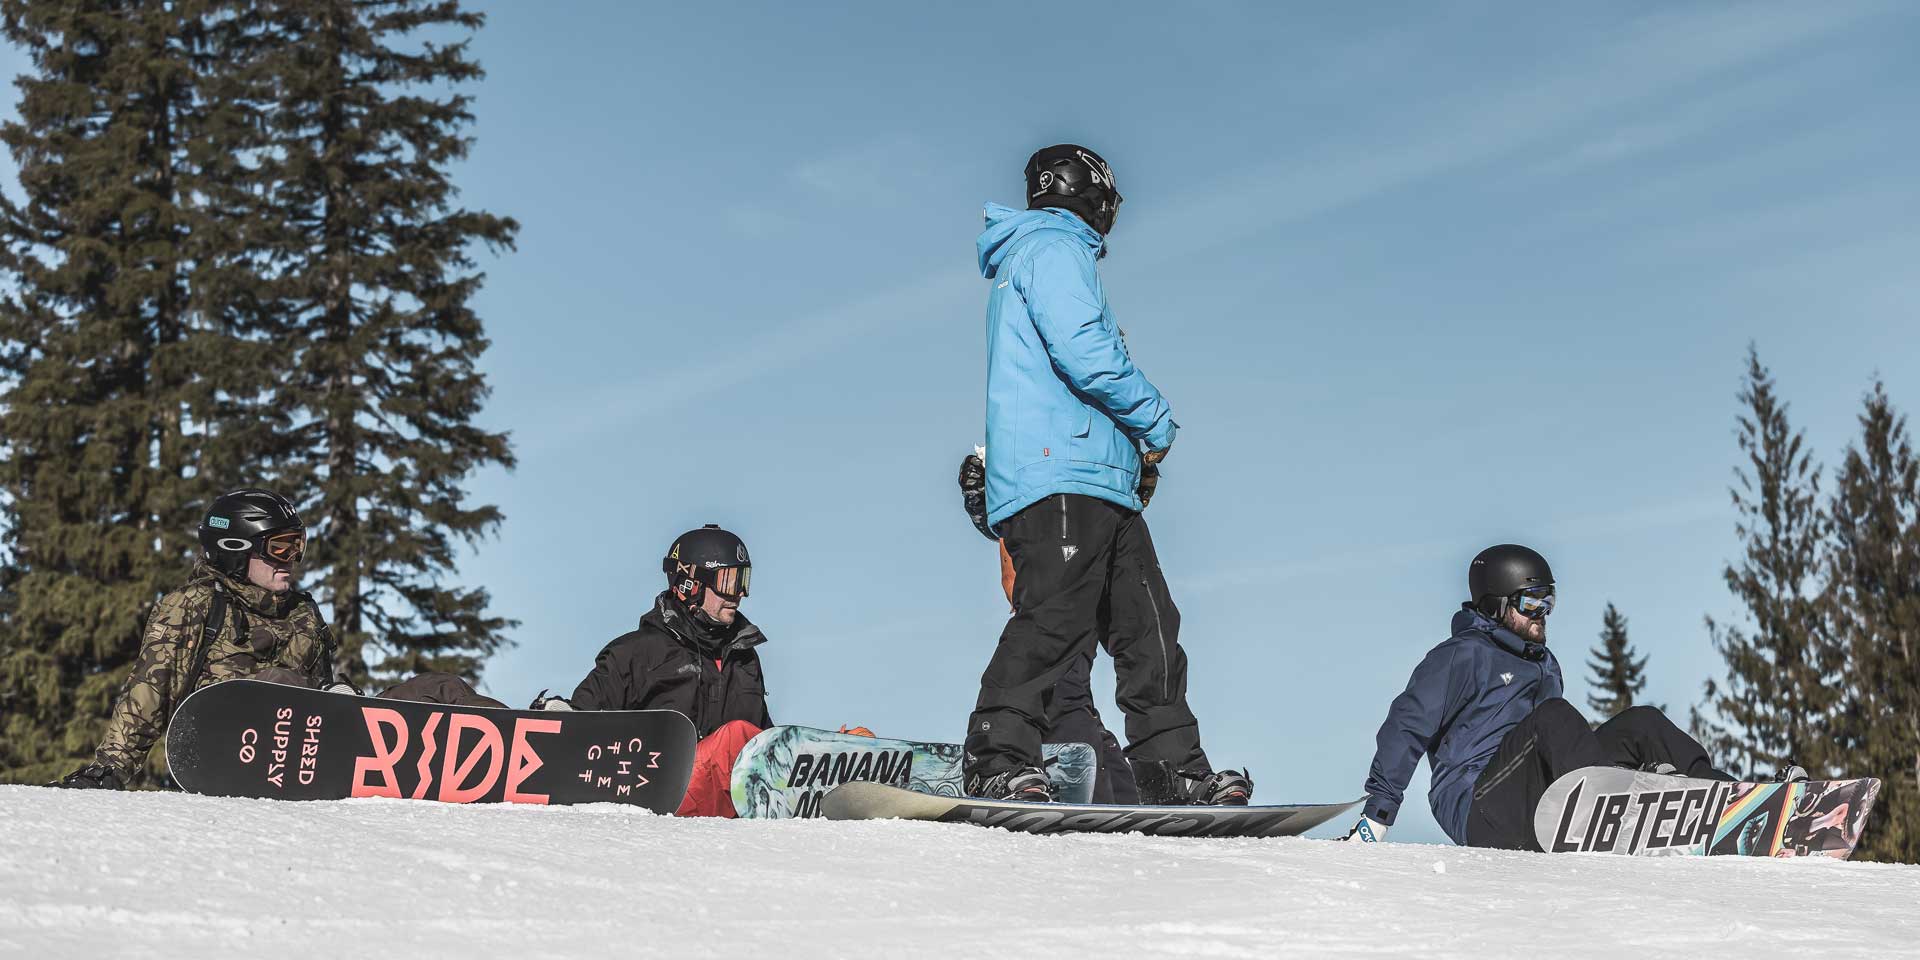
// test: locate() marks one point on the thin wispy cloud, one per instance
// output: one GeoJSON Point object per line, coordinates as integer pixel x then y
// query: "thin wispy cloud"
{"type": "Point", "coordinates": [882, 171]}
{"type": "Point", "coordinates": [619, 408]}
{"type": "Point", "coordinates": [1650, 58]}
{"type": "Point", "coordinates": [1312, 562]}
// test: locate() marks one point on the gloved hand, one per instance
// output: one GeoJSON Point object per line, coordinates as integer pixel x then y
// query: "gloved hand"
{"type": "Point", "coordinates": [1368, 830]}
{"type": "Point", "coordinates": [973, 490]}
{"type": "Point", "coordinates": [93, 776]}
{"type": "Point", "coordinates": [1152, 458]}
{"type": "Point", "coordinates": [544, 702]}
{"type": "Point", "coordinates": [856, 731]}
{"type": "Point", "coordinates": [1149, 480]}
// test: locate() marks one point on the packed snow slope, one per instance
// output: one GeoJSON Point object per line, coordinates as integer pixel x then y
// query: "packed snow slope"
{"type": "Point", "coordinates": [167, 875]}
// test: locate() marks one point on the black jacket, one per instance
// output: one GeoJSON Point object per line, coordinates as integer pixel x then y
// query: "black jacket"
{"type": "Point", "coordinates": [665, 665]}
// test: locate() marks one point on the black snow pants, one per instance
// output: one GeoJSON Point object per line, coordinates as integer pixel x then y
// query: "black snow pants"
{"type": "Point", "coordinates": [1085, 575]}
{"type": "Point", "coordinates": [1072, 718]}
{"type": "Point", "coordinates": [1554, 740]}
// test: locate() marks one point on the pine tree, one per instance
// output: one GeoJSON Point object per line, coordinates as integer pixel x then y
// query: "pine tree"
{"type": "Point", "coordinates": [113, 437]}
{"type": "Point", "coordinates": [374, 276]}
{"type": "Point", "coordinates": [1874, 586]}
{"type": "Point", "coordinates": [1618, 676]}
{"type": "Point", "coordinates": [1774, 702]}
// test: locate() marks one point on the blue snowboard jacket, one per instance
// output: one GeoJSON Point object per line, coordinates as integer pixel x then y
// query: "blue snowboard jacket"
{"type": "Point", "coordinates": [1462, 699]}
{"type": "Point", "coordinates": [1065, 404]}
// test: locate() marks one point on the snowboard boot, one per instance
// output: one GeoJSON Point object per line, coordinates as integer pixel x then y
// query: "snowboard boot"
{"type": "Point", "coordinates": [1024, 784]}
{"type": "Point", "coordinates": [1226, 788]}
{"type": "Point", "coordinates": [1161, 786]}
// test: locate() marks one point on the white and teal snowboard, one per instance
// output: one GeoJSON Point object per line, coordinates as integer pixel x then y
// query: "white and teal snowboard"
{"type": "Point", "coordinates": [786, 771]}
{"type": "Point", "coordinates": [872, 801]}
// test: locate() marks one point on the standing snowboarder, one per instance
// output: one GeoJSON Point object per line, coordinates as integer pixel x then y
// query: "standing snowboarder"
{"type": "Point", "coordinates": [1071, 425]}
{"type": "Point", "coordinates": [238, 616]}
{"type": "Point", "coordinates": [1072, 716]}
{"type": "Point", "coordinates": [1485, 708]}
{"type": "Point", "coordinates": [694, 653]}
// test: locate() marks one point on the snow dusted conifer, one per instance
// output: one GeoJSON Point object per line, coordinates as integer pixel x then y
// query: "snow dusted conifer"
{"type": "Point", "coordinates": [374, 274]}
{"type": "Point", "coordinates": [1874, 588]}
{"type": "Point", "coordinates": [113, 435]}
{"type": "Point", "coordinates": [1618, 676]}
{"type": "Point", "coordinates": [1773, 704]}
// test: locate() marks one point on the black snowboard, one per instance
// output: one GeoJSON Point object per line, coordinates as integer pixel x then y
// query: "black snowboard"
{"type": "Point", "coordinates": [246, 738]}
{"type": "Point", "coordinates": [877, 801]}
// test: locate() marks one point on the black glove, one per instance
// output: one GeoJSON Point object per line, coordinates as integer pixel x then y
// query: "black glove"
{"type": "Point", "coordinates": [93, 776]}
{"type": "Point", "coordinates": [1149, 479]}
{"type": "Point", "coordinates": [973, 493]}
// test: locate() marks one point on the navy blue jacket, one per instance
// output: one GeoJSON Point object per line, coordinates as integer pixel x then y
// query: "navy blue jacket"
{"type": "Point", "coordinates": [1460, 702]}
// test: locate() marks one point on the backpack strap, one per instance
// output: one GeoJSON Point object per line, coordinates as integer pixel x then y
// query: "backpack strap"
{"type": "Point", "coordinates": [209, 632]}
{"type": "Point", "coordinates": [330, 665]}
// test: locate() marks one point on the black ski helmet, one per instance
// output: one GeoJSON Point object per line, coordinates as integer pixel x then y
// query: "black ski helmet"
{"type": "Point", "coordinates": [708, 559]}
{"type": "Point", "coordinates": [1073, 178]}
{"type": "Point", "coordinates": [1499, 572]}
{"type": "Point", "coordinates": [239, 525]}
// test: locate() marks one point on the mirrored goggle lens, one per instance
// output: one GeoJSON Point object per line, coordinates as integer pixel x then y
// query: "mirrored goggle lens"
{"type": "Point", "coordinates": [285, 547]}
{"type": "Point", "coordinates": [1534, 603]}
{"type": "Point", "coordinates": [731, 582]}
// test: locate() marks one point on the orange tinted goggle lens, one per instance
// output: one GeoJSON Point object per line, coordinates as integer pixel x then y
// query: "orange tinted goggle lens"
{"type": "Point", "coordinates": [285, 547]}
{"type": "Point", "coordinates": [732, 582]}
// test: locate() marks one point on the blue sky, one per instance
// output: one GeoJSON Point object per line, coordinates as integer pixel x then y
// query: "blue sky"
{"type": "Point", "coordinates": [1415, 279]}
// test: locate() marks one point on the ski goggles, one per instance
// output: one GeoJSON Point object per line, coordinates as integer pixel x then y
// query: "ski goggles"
{"type": "Point", "coordinates": [287, 546]}
{"type": "Point", "coordinates": [731, 583]}
{"type": "Point", "coordinates": [1534, 603]}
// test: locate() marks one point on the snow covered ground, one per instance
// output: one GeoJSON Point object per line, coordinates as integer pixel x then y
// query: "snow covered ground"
{"type": "Point", "coordinates": [167, 875]}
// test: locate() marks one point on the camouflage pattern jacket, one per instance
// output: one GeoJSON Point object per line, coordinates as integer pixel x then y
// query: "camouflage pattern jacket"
{"type": "Point", "coordinates": [263, 630]}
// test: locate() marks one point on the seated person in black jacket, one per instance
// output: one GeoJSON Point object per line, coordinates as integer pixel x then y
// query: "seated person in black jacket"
{"type": "Point", "coordinates": [693, 652]}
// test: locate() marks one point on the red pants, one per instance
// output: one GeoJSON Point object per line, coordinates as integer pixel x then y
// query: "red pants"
{"type": "Point", "coordinates": [710, 792]}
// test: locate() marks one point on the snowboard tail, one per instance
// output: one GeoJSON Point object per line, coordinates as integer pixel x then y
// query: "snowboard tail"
{"type": "Point", "coordinates": [247, 738]}
{"type": "Point", "coordinates": [787, 771]}
{"type": "Point", "coordinates": [1633, 813]}
{"type": "Point", "coordinates": [873, 801]}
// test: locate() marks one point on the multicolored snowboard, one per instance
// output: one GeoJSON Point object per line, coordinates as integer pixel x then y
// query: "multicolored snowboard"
{"type": "Point", "coordinates": [874, 801]}
{"type": "Point", "coordinates": [245, 738]}
{"type": "Point", "coordinates": [786, 770]}
{"type": "Point", "coordinates": [1612, 810]}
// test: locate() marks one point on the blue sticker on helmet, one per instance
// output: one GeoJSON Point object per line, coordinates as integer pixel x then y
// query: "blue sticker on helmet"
{"type": "Point", "coordinates": [218, 523]}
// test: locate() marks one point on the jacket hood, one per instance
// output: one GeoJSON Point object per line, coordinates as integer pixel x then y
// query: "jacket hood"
{"type": "Point", "coordinates": [257, 599]}
{"type": "Point", "coordinates": [710, 639]}
{"type": "Point", "coordinates": [1468, 620]}
{"type": "Point", "coordinates": [1005, 226]}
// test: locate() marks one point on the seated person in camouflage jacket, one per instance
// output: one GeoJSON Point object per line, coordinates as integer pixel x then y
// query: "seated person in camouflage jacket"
{"type": "Point", "coordinates": [266, 631]}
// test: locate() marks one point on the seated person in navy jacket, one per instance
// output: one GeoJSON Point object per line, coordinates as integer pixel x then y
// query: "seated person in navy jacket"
{"type": "Point", "coordinates": [1485, 708]}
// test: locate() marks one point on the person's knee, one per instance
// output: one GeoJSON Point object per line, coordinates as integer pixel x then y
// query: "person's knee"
{"type": "Point", "coordinates": [283, 676]}
{"type": "Point", "coordinates": [1643, 718]}
{"type": "Point", "coordinates": [734, 733]}
{"type": "Point", "coordinates": [1558, 705]}
{"type": "Point", "coordinates": [1559, 712]}
{"type": "Point", "coordinates": [441, 688]}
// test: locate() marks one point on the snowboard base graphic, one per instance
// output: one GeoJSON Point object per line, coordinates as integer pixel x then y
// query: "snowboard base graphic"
{"type": "Point", "coordinates": [787, 770]}
{"type": "Point", "coordinates": [873, 801]}
{"type": "Point", "coordinates": [1629, 812]}
{"type": "Point", "coordinates": [247, 738]}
